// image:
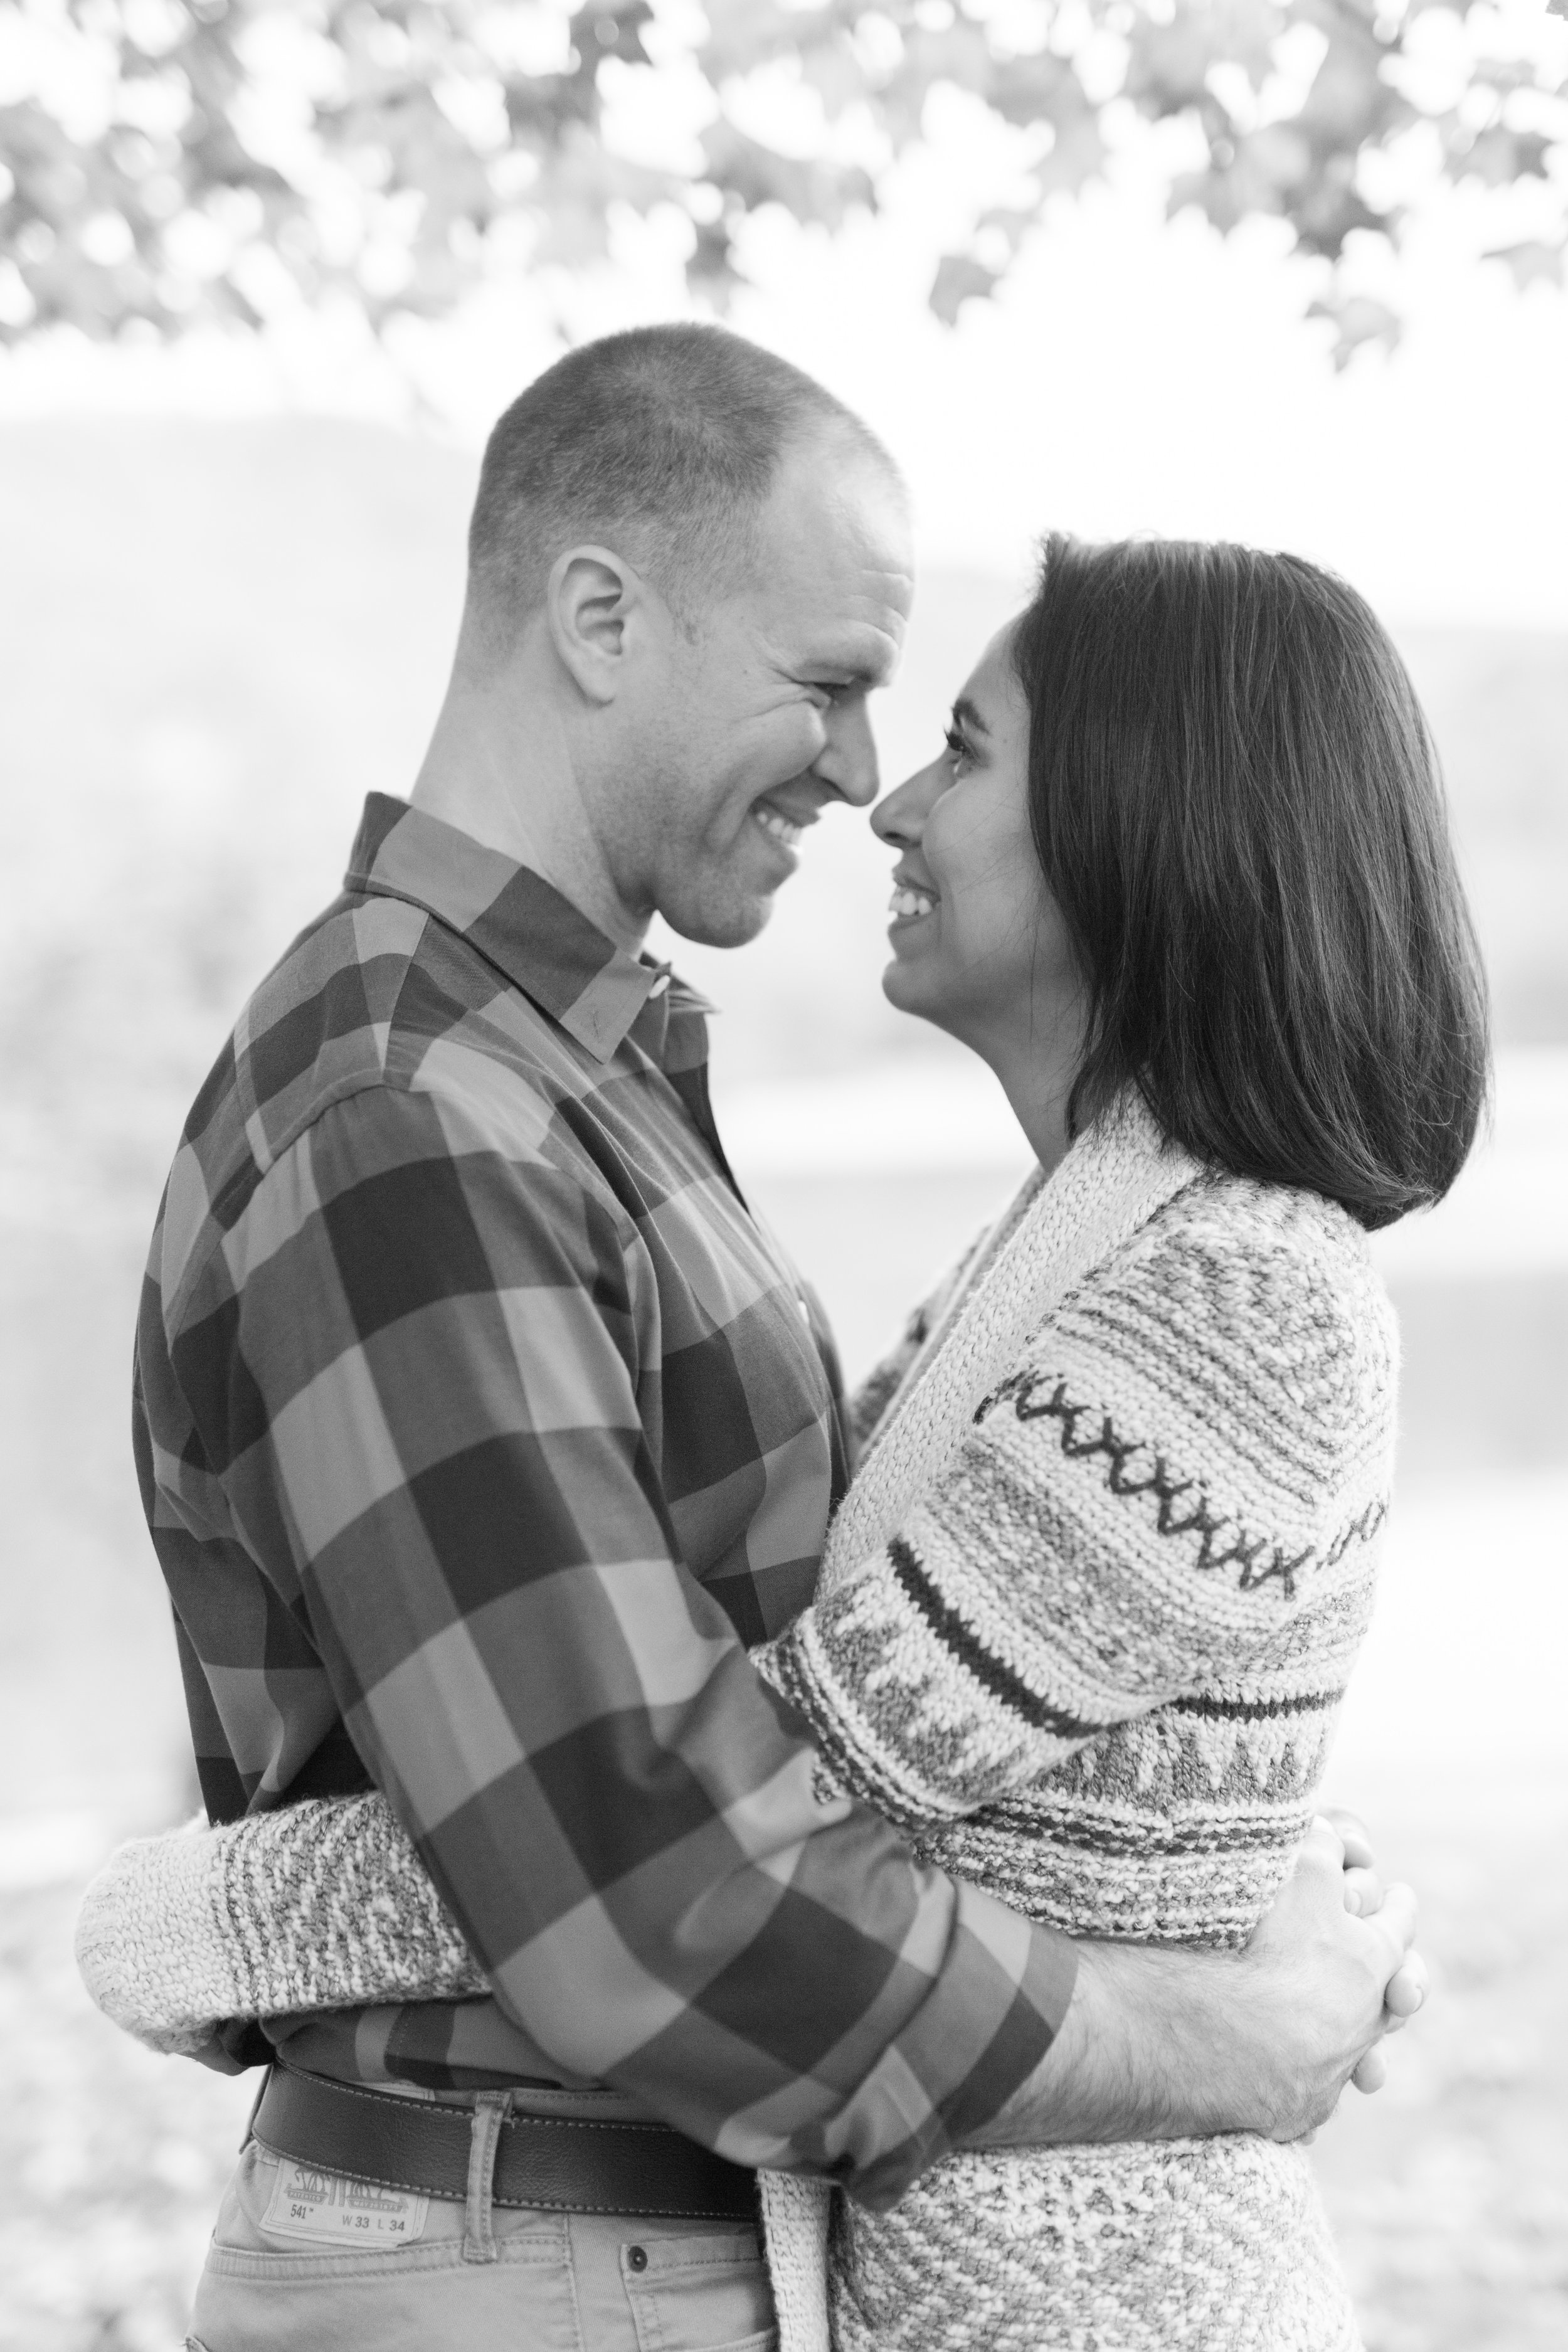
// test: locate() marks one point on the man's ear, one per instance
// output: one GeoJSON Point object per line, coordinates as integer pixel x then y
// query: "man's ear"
{"type": "Point", "coordinates": [597, 607]}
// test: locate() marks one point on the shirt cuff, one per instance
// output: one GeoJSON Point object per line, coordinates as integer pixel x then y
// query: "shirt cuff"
{"type": "Point", "coordinates": [987, 2024]}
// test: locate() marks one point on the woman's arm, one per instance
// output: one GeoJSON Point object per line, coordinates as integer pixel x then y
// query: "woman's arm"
{"type": "Point", "coordinates": [320, 1904]}
{"type": "Point", "coordinates": [1196, 1449]}
{"type": "Point", "coordinates": [323, 1905]}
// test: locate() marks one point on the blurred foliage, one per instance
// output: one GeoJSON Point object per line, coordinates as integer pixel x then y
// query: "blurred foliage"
{"type": "Point", "coordinates": [173, 161]}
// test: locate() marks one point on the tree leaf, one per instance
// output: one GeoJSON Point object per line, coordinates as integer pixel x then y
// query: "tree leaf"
{"type": "Point", "coordinates": [960, 279]}
{"type": "Point", "coordinates": [1499, 157]}
{"type": "Point", "coordinates": [1532, 263]}
{"type": "Point", "coordinates": [1358, 320]}
{"type": "Point", "coordinates": [423, 154]}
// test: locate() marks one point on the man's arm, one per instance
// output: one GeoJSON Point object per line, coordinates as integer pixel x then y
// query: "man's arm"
{"type": "Point", "coordinates": [1161, 2044]}
{"type": "Point", "coordinates": [430, 1405]}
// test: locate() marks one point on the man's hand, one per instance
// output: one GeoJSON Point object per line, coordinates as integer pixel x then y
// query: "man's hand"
{"type": "Point", "coordinates": [1160, 2044]}
{"type": "Point", "coordinates": [1342, 1982]}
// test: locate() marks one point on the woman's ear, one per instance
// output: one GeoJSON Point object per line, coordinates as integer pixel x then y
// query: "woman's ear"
{"type": "Point", "coordinates": [593, 603]}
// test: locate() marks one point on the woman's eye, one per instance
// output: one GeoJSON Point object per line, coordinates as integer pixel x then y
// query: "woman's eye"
{"type": "Point", "coordinates": [960, 756]}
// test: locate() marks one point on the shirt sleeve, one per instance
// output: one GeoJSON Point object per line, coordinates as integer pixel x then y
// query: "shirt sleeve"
{"type": "Point", "coordinates": [428, 1376]}
{"type": "Point", "coordinates": [1197, 1444]}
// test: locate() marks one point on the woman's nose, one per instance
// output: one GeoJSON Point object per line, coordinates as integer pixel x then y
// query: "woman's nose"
{"type": "Point", "coordinates": [900, 819]}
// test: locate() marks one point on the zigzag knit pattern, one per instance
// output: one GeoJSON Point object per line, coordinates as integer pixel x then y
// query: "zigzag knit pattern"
{"type": "Point", "coordinates": [1095, 1670]}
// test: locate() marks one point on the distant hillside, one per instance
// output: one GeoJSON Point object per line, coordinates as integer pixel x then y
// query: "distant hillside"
{"type": "Point", "coordinates": [214, 638]}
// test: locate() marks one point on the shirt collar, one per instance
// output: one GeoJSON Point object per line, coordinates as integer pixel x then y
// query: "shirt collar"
{"type": "Point", "coordinates": [516, 920]}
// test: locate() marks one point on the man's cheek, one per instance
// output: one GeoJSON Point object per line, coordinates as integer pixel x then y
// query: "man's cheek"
{"type": "Point", "coordinates": [788, 747]}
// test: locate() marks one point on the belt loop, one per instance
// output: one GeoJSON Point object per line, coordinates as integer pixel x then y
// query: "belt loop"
{"type": "Point", "coordinates": [478, 2237]}
{"type": "Point", "coordinates": [255, 2110]}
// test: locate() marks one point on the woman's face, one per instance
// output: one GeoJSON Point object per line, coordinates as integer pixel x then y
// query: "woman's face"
{"type": "Point", "coordinates": [979, 947]}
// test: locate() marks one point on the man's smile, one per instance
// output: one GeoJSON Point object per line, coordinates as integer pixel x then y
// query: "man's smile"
{"type": "Point", "coordinates": [784, 814]}
{"type": "Point", "coordinates": [785, 831]}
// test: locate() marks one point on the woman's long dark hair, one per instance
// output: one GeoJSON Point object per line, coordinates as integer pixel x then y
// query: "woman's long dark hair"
{"type": "Point", "coordinates": [1236, 802]}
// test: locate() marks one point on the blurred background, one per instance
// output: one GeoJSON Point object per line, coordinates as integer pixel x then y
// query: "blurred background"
{"type": "Point", "coordinates": [1289, 273]}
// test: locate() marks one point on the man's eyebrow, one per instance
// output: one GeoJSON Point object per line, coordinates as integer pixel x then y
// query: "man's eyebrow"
{"type": "Point", "coordinates": [871, 670]}
{"type": "Point", "coordinates": [967, 714]}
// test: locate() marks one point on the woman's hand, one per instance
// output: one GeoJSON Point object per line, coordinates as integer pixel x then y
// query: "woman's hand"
{"type": "Point", "coordinates": [1407, 1988]}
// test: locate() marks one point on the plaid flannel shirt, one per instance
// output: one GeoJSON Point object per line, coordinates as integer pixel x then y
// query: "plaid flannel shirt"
{"type": "Point", "coordinates": [480, 1427]}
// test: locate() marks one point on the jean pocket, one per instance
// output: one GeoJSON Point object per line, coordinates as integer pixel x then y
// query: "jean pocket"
{"type": "Point", "coordinates": [708, 2294]}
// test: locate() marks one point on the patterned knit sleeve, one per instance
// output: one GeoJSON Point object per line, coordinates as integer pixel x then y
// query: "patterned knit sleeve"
{"type": "Point", "coordinates": [1193, 1449]}
{"type": "Point", "coordinates": [323, 1903]}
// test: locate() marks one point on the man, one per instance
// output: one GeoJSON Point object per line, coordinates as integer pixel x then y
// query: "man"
{"type": "Point", "coordinates": [481, 1429]}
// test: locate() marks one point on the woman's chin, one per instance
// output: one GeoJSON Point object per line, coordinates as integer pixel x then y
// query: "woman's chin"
{"type": "Point", "coordinates": [908, 989]}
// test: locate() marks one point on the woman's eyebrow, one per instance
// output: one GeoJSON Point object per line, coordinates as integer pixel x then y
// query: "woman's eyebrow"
{"type": "Point", "coordinates": [966, 714]}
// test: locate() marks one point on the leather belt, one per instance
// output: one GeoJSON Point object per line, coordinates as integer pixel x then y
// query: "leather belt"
{"type": "Point", "coordinates": [553, 2162]}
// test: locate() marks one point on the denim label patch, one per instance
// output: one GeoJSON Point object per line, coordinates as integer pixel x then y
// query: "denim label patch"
{"type": "Point", "coordinates": [332, 2209]}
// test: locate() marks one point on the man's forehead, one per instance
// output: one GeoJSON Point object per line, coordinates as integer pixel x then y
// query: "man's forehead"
{"type": "Point", "coordinates": [835, 564]}
{"type": "Point", "coordinates": [857, 627]}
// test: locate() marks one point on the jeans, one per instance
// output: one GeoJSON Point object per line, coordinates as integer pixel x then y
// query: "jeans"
{"type": "Point", "coordinates": [302, 2260]}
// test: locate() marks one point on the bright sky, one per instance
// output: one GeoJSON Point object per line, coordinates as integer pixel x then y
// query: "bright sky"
{"type": "Point", "coordinates": [1133, 376]}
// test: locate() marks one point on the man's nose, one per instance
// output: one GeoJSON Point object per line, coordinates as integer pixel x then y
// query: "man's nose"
{"type": "Point", "coordinates": [848, 759]}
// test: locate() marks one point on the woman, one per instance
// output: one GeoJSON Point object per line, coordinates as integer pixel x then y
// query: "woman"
{"type": "Point", "coordinates": [1182, 878]}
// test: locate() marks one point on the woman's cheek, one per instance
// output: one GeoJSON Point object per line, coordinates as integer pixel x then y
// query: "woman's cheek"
{"type": "Point", "coordinates": [941, 848]}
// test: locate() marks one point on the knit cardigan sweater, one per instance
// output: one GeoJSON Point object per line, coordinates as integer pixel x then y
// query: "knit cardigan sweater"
{"type": "Point", "coordinates": [1083, 1624]}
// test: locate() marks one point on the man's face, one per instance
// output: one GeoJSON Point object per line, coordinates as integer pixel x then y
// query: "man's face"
{"type": "Point", "coordinates": [753, 724]}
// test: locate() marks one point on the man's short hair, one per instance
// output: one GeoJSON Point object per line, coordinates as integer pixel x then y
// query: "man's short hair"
{"type": "Point", "coordinates": [662, 444]}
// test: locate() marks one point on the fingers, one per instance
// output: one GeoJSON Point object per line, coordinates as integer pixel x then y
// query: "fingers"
{"type": "Point", "coordinates": [1363, 1889]}
{"type": "Point", "coordinates": [1323, 1847]}
{"type": "Point", "coordinates": [1405, 1992]}
{"type": "Point", "coordinates": [1393, 1922]}
{"type": "Point", "coordinates": [1352, 1831]}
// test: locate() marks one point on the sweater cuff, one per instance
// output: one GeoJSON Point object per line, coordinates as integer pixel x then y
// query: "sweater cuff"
{"type": "Point", "coordinates": [150, 1940]}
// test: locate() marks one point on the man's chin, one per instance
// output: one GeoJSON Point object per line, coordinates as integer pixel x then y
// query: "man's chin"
{"type": "Point", "coordinates": [727, 922]}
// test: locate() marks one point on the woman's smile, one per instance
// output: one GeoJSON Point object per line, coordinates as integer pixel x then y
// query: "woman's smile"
{"type": "Point", "coordinates": [978, 944]}
{"type": "Point", "coordinates": [911, 902]}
